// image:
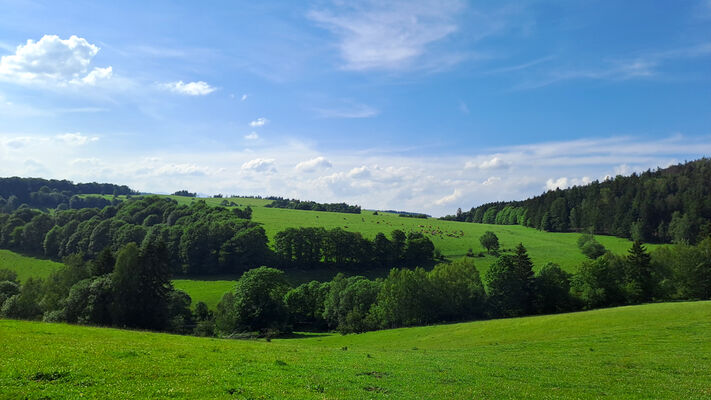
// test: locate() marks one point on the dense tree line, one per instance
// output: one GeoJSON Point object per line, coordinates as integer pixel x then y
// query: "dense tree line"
{"type": "Point", "coordinates": [200, 239]}
{"type": "Point", "coordinates": [405, 213]}
{"type": "Point", "coordinates": [133, 290]}
{"type": "Point", "coordinates": [279, 202]}
{"type": "Point", "coordinates": [203, 240]}
{"type": "Point", "coordinates": [263, 302]}
{"type": "Point", "coordinates": [666, 205]}
{"type": "Point", "coordinates": [317, 247]}
{"type": "Point", "coordinates": [130, 290]}
{"type": "Point", "coordinates": [51, 193]}
{"type": "Point", "coordinates": [413, 215]}
{"type": "Point", "coordinates": [185, 193]}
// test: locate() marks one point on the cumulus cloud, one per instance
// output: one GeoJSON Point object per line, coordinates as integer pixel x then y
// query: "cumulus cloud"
{"type": "Point", "coordinates": [56, 61]}
{"type": "Point", "coordinates": [97, 74]}
{"type": "Point", "coordinates": [244, 97]}
{"type": "Point", "coordinates": [198, 88]}
{"type": "Point", "coordinates": [260, 165]}
{"type": "Point", "coordinates": [313, 164]}
{"type": "Point", "coordinates": [387, 35]}
{"type": "Point", "coordinates": [565, 182]}
{"type": "Point", "coordinates": [359, 172]}
{"type": "Point", "coordinates": [252, 136]}
{"type": "Point", "coordinates": [490, 163]}
{"type": "Point", "coordinates": [259, 122]}
{"type": "Point", "coordinates": [424, 183]}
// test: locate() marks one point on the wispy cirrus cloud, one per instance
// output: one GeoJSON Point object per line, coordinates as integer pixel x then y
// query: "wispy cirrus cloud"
{"type": "Point", "coordinates": [387, 35]}
{"type": "Point", "coordinates": [348, 110]}
{"type": "Point", "coordinates": [645, 65]}
{"type": "Point", "coordinates": [198, 88]}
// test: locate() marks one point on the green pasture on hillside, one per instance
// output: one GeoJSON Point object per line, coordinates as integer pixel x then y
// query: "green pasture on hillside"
{"type": "Point", "coordinates": [26, 267]}
{"type": "Point", "coordinates": [452, 238]}
{"type": "Point", "coordinates": [635, 352]}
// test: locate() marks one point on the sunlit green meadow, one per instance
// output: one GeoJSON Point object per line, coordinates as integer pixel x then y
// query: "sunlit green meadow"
{"type": "Point", "coordinates": [635, 352]}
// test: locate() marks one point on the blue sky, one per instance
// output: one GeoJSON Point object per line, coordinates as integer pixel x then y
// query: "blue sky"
{"type": "Point", "coordinates": [417, 105]}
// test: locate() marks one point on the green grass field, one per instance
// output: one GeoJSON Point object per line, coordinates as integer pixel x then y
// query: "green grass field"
{"type": "Point", "coordinates": [208, 291]}
{"type": "Point", "coordinates": [26, 267]}
{"type": "Point", "coordinates": [636, 352]}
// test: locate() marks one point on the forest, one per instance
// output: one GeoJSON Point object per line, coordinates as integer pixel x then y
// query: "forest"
{"type": "Point", "coordinates": [51, 193]}
{"type": "Point", "coordinates": [666, 205]}
{"type": "Point", "coordinates": [203, 240]}
{"type": "Point", "coordinates": [294, 204]}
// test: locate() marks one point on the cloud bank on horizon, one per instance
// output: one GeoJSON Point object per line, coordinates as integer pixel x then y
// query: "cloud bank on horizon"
{"type": "Point", "coordinates": [420, 105]}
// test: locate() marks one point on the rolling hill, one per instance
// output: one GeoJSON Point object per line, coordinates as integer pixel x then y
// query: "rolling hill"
{"type": "Point", "coordinates": [452, 238]}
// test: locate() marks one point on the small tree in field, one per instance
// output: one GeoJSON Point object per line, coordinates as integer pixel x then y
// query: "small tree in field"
{"type": "Point", "coordinates": [490, 241]}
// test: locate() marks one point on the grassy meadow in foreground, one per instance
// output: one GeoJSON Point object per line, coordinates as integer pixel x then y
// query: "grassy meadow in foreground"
{"type": "Point", "coordinates": [648, 351]}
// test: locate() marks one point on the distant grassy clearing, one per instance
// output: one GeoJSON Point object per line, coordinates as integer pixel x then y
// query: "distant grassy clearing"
{"type": "Point", "coordinates": [26, 267]}
{"type": "Point", "coordinates": [650, 351]}
{"type": "Point", "coordinates": [209, 292]}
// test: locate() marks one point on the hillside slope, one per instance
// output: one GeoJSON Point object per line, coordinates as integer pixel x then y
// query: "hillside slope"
{"type": "Point", "coordinates": [670, 204]}
{"type": "Point", "coordinates": [648, 351]}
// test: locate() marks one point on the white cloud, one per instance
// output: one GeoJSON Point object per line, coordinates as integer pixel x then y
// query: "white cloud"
{"type": "Point", "coordinates": [181, 169]}
{"type": "Point", "coordinates": [198, 88]}
{"type": "Point", "coordinates": [76, 139]}
{"type": "Point", "coordinates": [259, 122]}
{"type": "Point", "coordinates": [313, 164]}
{"type": "Point", "coordinates": [98, 74]}
{"type": "Point", "coordinates": [449, 199]}
{"type": "Point", "coordinates": [388, 35]}
{"type": "Point", "coordinates": [564, 182]}
{"type": "Point", "coordinates": [244, 97]}
{"type": "Point", "coordinates": [260, 165]}
{"type": "Point", "coordinates": [491, 181]}
{"type": "Point", "coordinates": [55, 61]}
{"type": "Point", "coordinates": [384, 180]}
{"type": "Point", "coordinates": [252, 136]}
{"type": "Point", "coordinates": [90, 162]}
{"type": "Point", "coordinates": [495, 162]}
{"type": "Point", "coordinates": [359, 172]}
{"type": "Point", "coordinates": [560, 183]}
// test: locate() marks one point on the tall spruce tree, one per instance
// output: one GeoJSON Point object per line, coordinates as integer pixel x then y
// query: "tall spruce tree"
{"type": "Point", "coordinates": [639, 284]}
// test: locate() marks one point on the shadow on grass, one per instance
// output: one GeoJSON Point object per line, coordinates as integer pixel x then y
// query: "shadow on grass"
{"type": "Point", "coordinates": [302, 335]}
